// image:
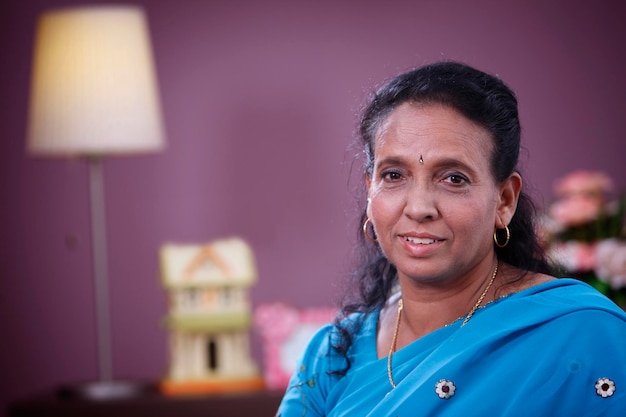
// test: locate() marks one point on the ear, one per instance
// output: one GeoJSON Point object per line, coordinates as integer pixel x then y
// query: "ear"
{"type": "Point", "coordinates": [509, 191]}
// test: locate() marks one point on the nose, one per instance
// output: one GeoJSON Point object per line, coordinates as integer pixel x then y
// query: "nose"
{"type": "Point", "coordinates": [420, 204]}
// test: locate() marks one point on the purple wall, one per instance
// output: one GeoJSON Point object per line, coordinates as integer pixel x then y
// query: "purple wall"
{"type": "Point", "coordinates": [259, 101]}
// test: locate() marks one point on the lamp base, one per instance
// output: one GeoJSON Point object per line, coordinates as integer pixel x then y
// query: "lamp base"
{"type": "Point", "coordinates": [106, 390]}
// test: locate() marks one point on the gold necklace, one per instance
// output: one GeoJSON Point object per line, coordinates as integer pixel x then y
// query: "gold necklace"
{"type": "Point", "coordinates": [392, 348]}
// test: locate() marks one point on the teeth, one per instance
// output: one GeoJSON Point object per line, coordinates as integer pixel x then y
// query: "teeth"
{"type": "Point", "coordinates": [420, 241]}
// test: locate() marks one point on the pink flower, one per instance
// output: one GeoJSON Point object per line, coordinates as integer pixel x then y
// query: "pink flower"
{"type": "Point", "coordinates": [576, 210]}
{"type": "Point", "coordinates": [591, 184]}
{"type": "Point", "coordinates": [573, 255]}
{"type": "Point", "coordinates": [611, 262]}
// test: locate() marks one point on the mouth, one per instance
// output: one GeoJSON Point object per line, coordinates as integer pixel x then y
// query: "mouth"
{"type": "Point", "coordinates": [420, 240]}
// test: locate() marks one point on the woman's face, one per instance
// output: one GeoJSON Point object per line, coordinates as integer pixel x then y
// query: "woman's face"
{"type": "Point", "coordinates": [433, 201]}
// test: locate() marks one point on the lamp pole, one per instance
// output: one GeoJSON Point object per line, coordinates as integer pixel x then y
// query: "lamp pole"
{"type": "Point", "coordinates": [100, 272]}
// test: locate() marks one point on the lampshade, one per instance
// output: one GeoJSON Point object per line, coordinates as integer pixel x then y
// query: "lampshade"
{"type": "Point", "coordinates": [94, 89]}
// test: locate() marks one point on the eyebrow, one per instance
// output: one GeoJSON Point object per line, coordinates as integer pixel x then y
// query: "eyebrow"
{"type": "Point", "coordinates": [392, 160]}
{"type": "Point", "coordinates": [439, 164]}
{"type": "Point", "coordinates": [455, 163]}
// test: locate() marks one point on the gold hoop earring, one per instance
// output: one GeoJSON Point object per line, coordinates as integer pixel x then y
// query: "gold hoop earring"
{"type": "Point", "coordinates": [371, 239]}
{"type": "Point", "coordinates": [508, 237]}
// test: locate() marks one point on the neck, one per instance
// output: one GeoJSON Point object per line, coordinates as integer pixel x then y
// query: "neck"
{"type": "Point", "coordinates": [428, 309]}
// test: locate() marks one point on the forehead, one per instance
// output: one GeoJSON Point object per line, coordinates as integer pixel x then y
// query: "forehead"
{"type": "Point", "coordinates": [433, 128]}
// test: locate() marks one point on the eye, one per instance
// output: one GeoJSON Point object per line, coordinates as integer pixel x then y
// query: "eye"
{"type": "Point", "coordinates": [456, 179]}
{"type": "Point", "coordinates": [391, 176]}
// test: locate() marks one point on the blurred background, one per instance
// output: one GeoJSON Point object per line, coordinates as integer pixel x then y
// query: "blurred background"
{"type": "Point", "coordinates": [260, 103]}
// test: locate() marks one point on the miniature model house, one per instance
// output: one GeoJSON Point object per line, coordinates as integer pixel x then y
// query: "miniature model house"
{"type": "Point", "coordinates": [209, 316]}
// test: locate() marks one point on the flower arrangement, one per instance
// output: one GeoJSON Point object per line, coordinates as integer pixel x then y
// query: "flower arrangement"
{"type": "Point", "coordinates": [584, 232]}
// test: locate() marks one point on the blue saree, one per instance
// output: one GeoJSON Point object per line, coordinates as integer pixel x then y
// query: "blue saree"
{"type": "Point", "coordinates": [556, 349]}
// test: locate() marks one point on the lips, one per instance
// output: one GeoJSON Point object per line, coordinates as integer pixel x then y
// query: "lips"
{"type": "Point", "coordinates": [420, 240]}
{"type": "Point", "coordinates": [419, 245]}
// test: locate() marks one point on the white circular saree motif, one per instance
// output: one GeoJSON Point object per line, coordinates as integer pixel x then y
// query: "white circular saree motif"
{"type": "Point", "coordinates": [605, 387]}
{"type": "Point", "coordinates": [445, 389]}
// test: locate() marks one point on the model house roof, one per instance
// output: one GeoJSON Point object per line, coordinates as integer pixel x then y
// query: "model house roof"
{"type": "Point", "coordinates": [221, 263]}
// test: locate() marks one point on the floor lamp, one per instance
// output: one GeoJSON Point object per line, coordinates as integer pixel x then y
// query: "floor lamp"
{"type": "Point", "coordinates": [93, 95]}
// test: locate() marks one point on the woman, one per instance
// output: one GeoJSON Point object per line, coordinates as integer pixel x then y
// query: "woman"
{"type": "Point", "coordinates": [456, 312]}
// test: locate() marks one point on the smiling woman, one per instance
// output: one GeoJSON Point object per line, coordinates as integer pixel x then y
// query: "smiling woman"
{"type": "Point", "coordinates": [453, 291]}
{"type": "Point", "coordinates": [434, 219]}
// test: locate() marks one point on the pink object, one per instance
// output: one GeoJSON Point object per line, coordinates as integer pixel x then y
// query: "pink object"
{"type": "Point", "coordinates": [285, 332]}
{"type": "Point", "coordinates": [584, 183]}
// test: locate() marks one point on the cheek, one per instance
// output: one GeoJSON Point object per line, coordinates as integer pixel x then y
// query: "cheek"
{"type": "Point", "coordinates": [474, 219]}
{"type": "Point", "coordinates": [384, 208]}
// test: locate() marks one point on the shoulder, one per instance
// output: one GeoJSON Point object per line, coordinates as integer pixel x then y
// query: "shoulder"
{"type": "Point", "coordinates": [320, 366]}
{"type": "Point", "coordinates": [321, 354]}
{"type": "Point", "coordinates": [563, 337]}
{"type": "Point", "coordinates": [308, 385]}
{"type": "Point", "coordinates": [563, 310]}
{"type": "Point", "coordinates": [565, 306]}
{"type": "Point", "coordinates": [583, 350]}
{"type": "Point", "coordinates": [326, 336]}
{"type": "Point", "coordinates": [576, 295]}
{"type": "Point", "coordinates": [515, 280]}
